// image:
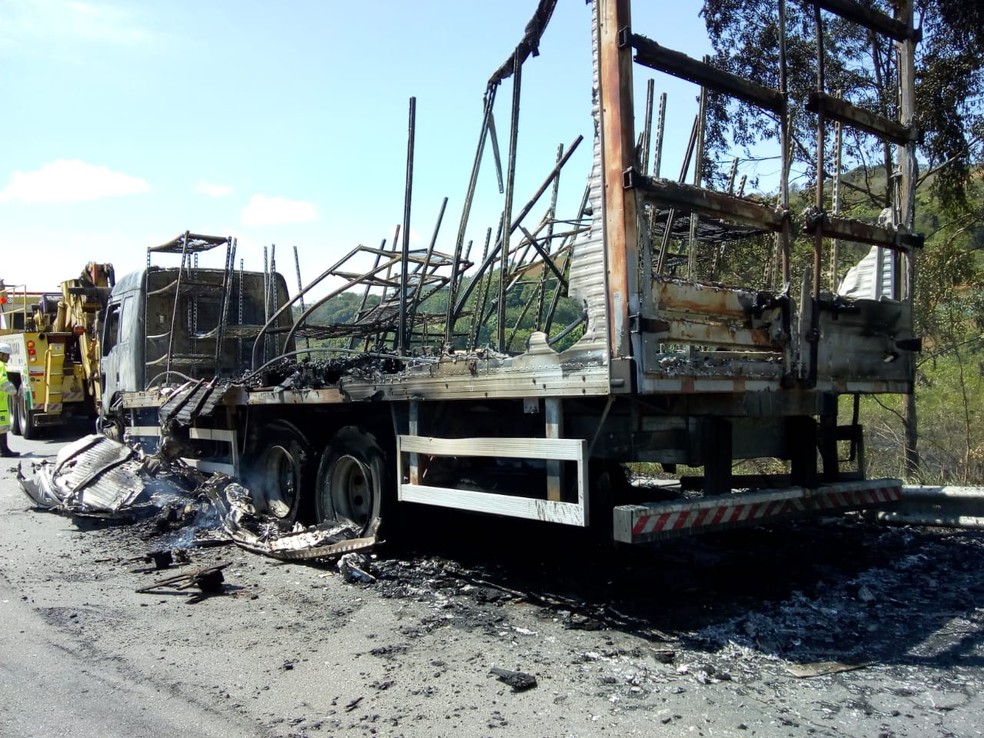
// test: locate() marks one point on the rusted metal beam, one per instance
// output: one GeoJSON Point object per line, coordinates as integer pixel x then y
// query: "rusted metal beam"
{"type": "Point", "coordinates": [651, 54]}
{"type": "Point", "coordinates": [529, 45]}
{"type": "Point", "coordinates": [618, 154]}
{"type": "Point", "coordinates": [843, 111]}
{"type": "Point", "coordinates": [867, 17]}
{"type": "Point", "coordinates": [828, 226]}
{"type": "Point", "coordinates": [716, 204]}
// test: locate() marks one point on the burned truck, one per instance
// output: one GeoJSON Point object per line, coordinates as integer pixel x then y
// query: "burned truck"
{"type": "Point", "coordinates": [164, 325]}
{"type": "Point", "coordinates": [455, 381]}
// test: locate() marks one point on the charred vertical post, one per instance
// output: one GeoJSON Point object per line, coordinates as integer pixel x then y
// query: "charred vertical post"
{"type": "Point", "coordinates": [425, 267]}
{"type": "Point", "coordinates": [786, 152]}
{"type": "Point", "coordinates": [660, 129]}
{"type": "Point", "coordinates": [450, 315]}
{"type": "Point", "coordinates": [671, 213]}
{"type": "Point", "coordinates": [478, 312]}
{"type": "Point", "coordinates": [813, 335]}
{"type": "Point", "coordinates": [274, 296]}
{"type": "Point", "coordinates": [698, 177]}
{"type": "Point", "coordinates": [838, 159]}
{"type": "Point", "coordinates": [177, 301]}
{"type": "Point", "coordinates": [230, 265]}
{"type": "Point", "coordinates": [554, 416]}
{"type": "Point", "coordinates": [542, 288]}
{"type": "Point", "coordinates": [403, 337]}
{"type": "Point", "coordinates": [300, 288]}
{"type": "Point", "coordinates": [507, 208]}
{"type": "Point", "coordinates": [647, 130]}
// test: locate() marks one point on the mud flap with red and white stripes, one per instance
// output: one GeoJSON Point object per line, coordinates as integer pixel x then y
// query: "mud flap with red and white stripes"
{"type": "Point", "coordinates": [649, 522]}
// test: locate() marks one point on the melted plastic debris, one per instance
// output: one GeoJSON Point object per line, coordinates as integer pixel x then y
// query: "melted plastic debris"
{"type": "Point", "coordinates": [96, 476]}
{"type": "Point", "coordinates": [100, 477]}
{"type": "Point", "coordinates": [239, 520]}
{"type": "Point", "coordinates": [318, 373]}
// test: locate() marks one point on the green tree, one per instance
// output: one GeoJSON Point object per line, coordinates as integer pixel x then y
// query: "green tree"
{"type": "Point", "coordinates": [860, 66]}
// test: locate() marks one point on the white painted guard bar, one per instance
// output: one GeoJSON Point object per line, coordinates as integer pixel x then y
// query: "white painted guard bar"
{"type": "Point", "coordinates": [229, 466]}
{"type": "Point", "coordinates": [516, 506]}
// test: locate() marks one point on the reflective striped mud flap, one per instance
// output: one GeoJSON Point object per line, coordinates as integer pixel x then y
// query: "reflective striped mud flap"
{"type": "Point", "coordinates": [650, 522]}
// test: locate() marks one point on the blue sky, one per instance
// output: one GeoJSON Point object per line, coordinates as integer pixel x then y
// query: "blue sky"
{"type": "Point", "coordinates": [126, 123]}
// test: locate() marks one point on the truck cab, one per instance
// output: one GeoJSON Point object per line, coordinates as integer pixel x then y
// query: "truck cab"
{"type": "Point", "coordinates": [171, 325]}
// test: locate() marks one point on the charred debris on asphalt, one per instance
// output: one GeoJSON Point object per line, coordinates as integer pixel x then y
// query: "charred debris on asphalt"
{"type": "Point", "coordinates": [844, 594]}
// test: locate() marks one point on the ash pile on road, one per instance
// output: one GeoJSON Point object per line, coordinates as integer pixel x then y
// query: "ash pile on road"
{"type": "Point", "coordinates": [806, 599]}
{"type": "Point", "coordinates": [809, 599]}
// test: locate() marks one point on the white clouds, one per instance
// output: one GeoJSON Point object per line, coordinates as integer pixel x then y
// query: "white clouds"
{"type": "Point", "coordinates": [36, 25]}
{"type": "Point", "coordinates": [70, 180]}
{"type": "Point", "coordinates": [212, 190]}
{"type": "Point", "coordinates": [263, 210]}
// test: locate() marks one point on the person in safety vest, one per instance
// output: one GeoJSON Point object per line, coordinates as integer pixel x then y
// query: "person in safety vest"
{"type": "Point", "coordinates": [6, 388]}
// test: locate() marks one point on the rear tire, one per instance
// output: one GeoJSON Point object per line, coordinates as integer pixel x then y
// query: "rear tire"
{"type": "Point", "coordinates": [280, 474]}
{"type": "Point", "coordinates": [13, 414]}
{"type": "Point", "coordinates": [25, 419]}
{"type": "Point", "coordinates": [354, 480]}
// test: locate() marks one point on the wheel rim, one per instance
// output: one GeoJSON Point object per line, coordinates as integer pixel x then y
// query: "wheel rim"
{"type": "Point", "coordinates": [350, 490]}
{"type": "Point", "coordinates": [281, 481]}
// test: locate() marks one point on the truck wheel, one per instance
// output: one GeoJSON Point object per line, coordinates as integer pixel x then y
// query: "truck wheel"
{"type": "Point", "coordinates": [353, 478]}
{"type": "Point", "coordinates": [25, 419]}
{"type": "Point", "coordinates": [281, 472]}
{"type": "Point", "coordinates": [112, 428]}
{"type": "Point", "coordinates": [13, 412]}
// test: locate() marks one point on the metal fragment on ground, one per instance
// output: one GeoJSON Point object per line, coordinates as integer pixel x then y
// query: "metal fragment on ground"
{"type": "Point", "coordinates": [821, 668]}
{"type": "Point", "coordinates": [94, 476]}
{"type": "Point", "coordinates": [209, 580]}
{"type": "Point", "coordinates": [240, 522]}
{"type": "Point", "coordinates": [352, 567]}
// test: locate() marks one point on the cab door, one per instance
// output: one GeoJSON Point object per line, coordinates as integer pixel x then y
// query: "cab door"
{"type": "Point", "coordinates": [119, 370]}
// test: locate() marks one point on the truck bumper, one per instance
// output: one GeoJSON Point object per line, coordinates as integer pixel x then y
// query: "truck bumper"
{"type": "Point", "coordinates": [655, 521]}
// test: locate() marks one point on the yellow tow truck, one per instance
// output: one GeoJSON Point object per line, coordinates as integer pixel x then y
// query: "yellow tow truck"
{"type": "Point", "coordinates": [54, 336]}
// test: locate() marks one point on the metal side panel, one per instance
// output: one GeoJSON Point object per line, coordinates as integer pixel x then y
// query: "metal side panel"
{"type": "Point", "coordinates": [645, 523]}
{"type": "Point", "coordinates": [517, 506]}
{"type": "Point", "coordinates": [451, 383]}
{"type": "Point", "coordinates": [229, 464]}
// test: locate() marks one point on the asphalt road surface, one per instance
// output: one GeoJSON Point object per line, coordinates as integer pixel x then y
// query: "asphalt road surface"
{"type": "Point", "coordinates": [823, 629]}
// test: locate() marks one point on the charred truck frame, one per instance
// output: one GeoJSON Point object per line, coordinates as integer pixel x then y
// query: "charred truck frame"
{"type": "Point", "coordinates": [420, 396]}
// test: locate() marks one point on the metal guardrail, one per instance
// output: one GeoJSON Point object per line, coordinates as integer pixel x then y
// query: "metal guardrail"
{"type": "Point", "coordinates": [943, 506]}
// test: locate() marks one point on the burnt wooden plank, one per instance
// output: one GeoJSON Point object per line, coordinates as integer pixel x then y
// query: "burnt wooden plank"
{"type": "Point", "coordinates": [848, 229]}
{"type": "Point", "coordinates": [717, 204]}
{"type": "Point", "coordinates": [868, 17]}
{"type": "Point", "coordinates": [852, 115]}
{"type": "Point", "coordinates": [651, 54]}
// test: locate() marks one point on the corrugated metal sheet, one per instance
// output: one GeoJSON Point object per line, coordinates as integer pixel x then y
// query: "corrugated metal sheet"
{"type": "Point", "coordinates": [588, 276]}
{"type": "Point", "coordinates": [93, 475]}
{"type": "Point", "coordinates": [866, 280]}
